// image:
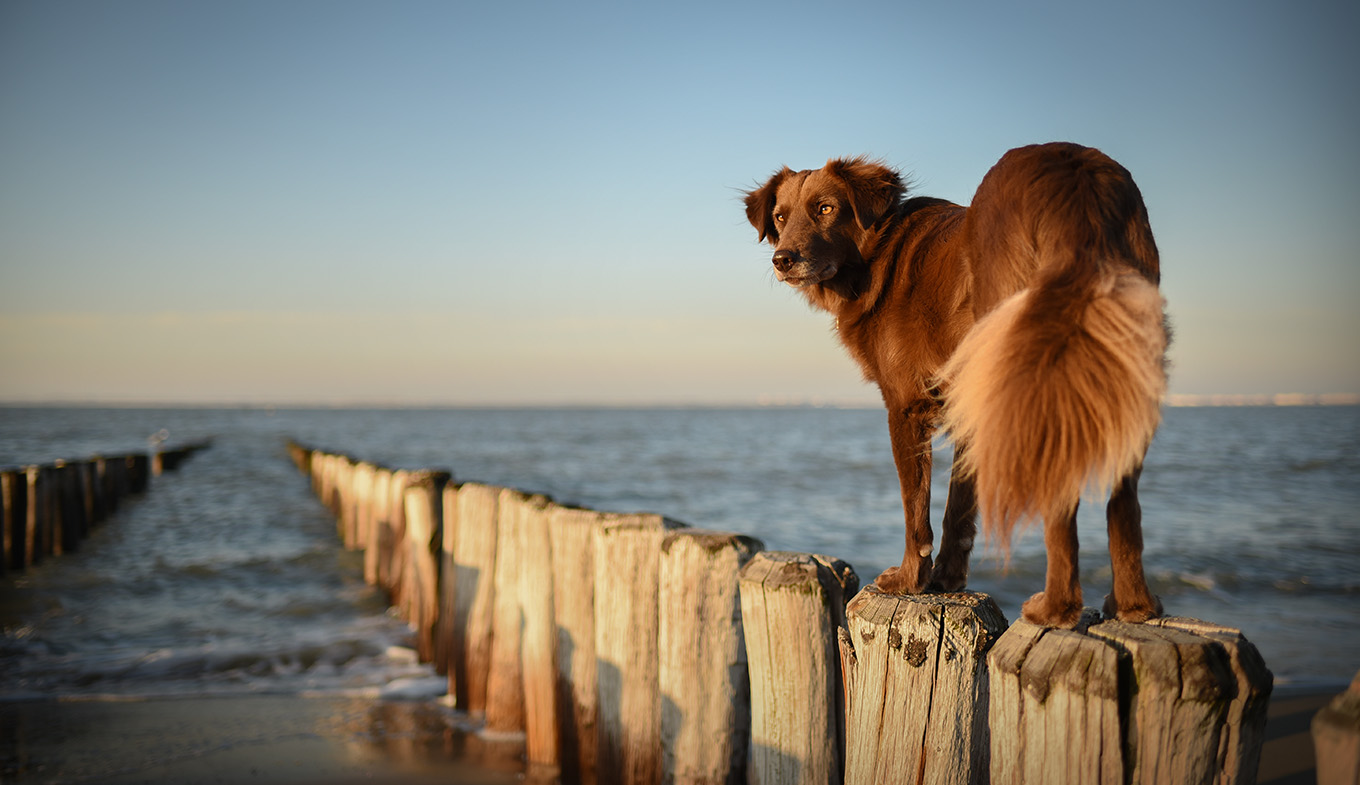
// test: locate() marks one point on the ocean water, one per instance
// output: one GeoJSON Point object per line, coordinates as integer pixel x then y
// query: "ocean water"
{"type": "Point", "coordinates": [227, 578]}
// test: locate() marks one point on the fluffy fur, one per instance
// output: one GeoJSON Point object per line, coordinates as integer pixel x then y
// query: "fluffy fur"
{"type": "Point", "coordinates": [1029, 325]}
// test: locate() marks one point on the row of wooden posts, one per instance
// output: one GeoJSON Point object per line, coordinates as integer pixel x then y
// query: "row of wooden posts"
{"type": "Point", "coordinates": [47, 509]}
{"type": "Point", "coordinates": [633, 649]}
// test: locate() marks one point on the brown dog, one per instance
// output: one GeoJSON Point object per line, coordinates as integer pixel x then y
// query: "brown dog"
{"type": "Point", "coordinates": [1028, 325]}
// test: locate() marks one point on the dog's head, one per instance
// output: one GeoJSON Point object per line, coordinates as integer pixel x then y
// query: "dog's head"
{"type": "Point", "coordinates": [816, 218]}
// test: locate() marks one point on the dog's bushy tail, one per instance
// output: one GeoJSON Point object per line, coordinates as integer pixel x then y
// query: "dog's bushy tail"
{"type": "Point", "coordinates": [1057, 391]}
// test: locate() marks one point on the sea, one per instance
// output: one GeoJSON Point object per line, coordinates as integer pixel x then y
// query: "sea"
{"type": "Point", "coordinates": [226, 577]}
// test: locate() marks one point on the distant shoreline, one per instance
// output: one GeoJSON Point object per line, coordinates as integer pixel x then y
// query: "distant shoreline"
{"type": "Point", "coordinates": [1176, 400]}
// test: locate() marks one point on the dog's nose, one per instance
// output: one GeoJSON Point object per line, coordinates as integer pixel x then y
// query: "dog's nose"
{"type": "Point", "coordinates": [783, 260]}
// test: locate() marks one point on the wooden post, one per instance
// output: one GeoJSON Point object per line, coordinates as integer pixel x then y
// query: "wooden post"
{"type": "Point", "coordinates": [538, 647]}
{"type": "Point", "coordinates": [1336, 738]}
{"type": "Point", "coordinates": [11, 518]}
{"type": "Point", "coordinates": [361, 482]}
{"type": "Point", "coordinates": [448, 584]}
{"type": "Point", "coordinates": [424, 534]}
{"type": "Point", "coordinates": [37, 533]}
{"type": "Point", "coordinates": [1244, 725]}
{"type": "Point", "coordinates": [138, 472]}
{"type": "Point", "coordinates": [572, 532]}
{"type": "Point", "coordinates": [90, 493]}
{"type": "Point", "coordinates": [345, 500]}
{"type": "Point", "coordinates": [392, 538]}
{"type": "Point", "coordinates": [916, 686]}
{"type": "Point", "coordinates": [627, 566]}
{"type": "Point", "coordinates": [474, 560]}
{"type": "Point", "coordinates": [380, 511]}
{"type": "Point", "coordinates": [1111, 702]}
{"type": "Point", "coordinates": [505, 711]}
{"type": "Point", "coordinates": [705, 687]}
{"type": "Point", "coordinates": [791, 606]}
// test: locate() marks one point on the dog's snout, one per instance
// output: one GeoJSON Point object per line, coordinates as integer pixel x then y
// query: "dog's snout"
{"type": "Point", "coordinates": [784, 259]}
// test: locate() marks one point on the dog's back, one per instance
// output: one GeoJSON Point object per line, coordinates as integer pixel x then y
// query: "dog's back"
{"type": "Point", "coordinates": [1058, 386]}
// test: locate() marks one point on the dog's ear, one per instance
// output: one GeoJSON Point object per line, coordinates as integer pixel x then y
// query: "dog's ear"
{"type": "Point", "coordinates": [760, 206]}
{"type": "Point", "coordinates": [874, 188]}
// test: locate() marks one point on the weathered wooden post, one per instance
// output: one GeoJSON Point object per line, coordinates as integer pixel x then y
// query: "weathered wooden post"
{"type": "Point", "coordinates": [916, 686]}
{"type": "Point", "coordinates": [474, 559]}
{"type": "Point", "coordinates": [346, 499]}
{"type": "Point", "coordinates": [392, 538]}
{"type": "Point", "coordinates": [628, 738]}
{"type": "Point", "coordinates": [380, 511]}
{"type": "Point", "coordinates": [138, 472]}
{"type": "Point", "coordinates": [37, 531]}
{"type": "Point", "coordinates": [1175, 700]}
{"type": "Point", "coordinates": [424, 534]}
{"type": "Point", "coordinates": [1336, 738]}
{"type": "Point", "coordinates": [356, 537]}
{"type": "Point", "coordinates": [91, 493]}
{"type": "Point", "coordinates": [705, 687]}
{"type": "Point", "coordinates": [12, 503]}
{"type": "Point", "coordinates": [538, 645]}
{"type": "Point", "coordinates": [791, 606]}
{"type": "Point", "coordinates": [505, 698]}
{"type": "Point", "coordinates": [572, 532]}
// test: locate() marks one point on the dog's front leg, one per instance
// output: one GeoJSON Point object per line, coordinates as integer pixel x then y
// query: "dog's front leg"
{"type": "Point", "coordinates": [909, 428]}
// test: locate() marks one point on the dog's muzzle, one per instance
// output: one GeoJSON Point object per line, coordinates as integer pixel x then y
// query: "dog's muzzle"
{"type": "Point", "coordinates": [791, 268]}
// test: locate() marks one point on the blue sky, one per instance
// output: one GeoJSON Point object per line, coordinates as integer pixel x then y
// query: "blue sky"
{"type": "Point", "coordinates": [540, 203]}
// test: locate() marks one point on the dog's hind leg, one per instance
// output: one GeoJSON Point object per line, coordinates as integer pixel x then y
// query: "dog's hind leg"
{"type": "Point", "coordinates": [957, 530]}
{"type": "Point", "coordinates": [1059, 604]}
{"type": "Point", "coordinates": [1130, 598]}
{"type": "Point", "coordinates": [909, 428]}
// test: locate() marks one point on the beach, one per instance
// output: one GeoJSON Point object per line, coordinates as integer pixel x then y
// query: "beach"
{"type": "Point", "coordinates": [256, 739]}
{"type": "Point", "coordinates": [215, 630]}
{"type": "Point", "coordinates": [288, 740]}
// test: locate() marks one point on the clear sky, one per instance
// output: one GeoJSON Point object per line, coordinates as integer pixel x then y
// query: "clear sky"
{"type": "Point", "coordinates": [505, 203]}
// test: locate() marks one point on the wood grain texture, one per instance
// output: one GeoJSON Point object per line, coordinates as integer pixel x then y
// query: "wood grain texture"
{"type": "Point", "coordinates": [792, 605]}
{"type": "Point", "coordinates": [916, 686]}
{"type": "Point", "coordinates": [1110, 702]}
{"type": "Point", "coordinates": [572, 533]}
{"type": "Point", "coordinates": [705, 687]}
{"type": "Point", "coordinates": [627, 566]}
{"type": "Point", "coordinates": [474, 561]}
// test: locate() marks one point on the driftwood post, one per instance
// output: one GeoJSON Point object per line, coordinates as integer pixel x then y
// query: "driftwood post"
{"type": "Point", "coordinates": [37, 534]}
{"type": "Point", "coordinates": [474, 560]}
{"type": "Point", "coordinates": [11, 513]}
{"type": "Point", "coordinates": [380, 511]}
{"type": "Point", "coordinates": [572, 532]}
{"type": "Point", "coordinates": [1174, 701]}
{"type": "Point", "coordinates": [361, 505]}
{"type": "Point", "coordinates": [1336, 738]}
{"type": "Point", "coordinates": [791, 606]}
{"type": "Point", "coordinates": [424, 533]}
{"type": "Point", "coordinates": [505, 679]}
{"type": "Point", "coordinates": [705, 688]}
{"type": "Point", "coordinates": [392, 538]}
{"type": "Point", "coordinates": [627, 564]}
{"type": "Point", "coordinates": [538, 646]}
{"type": "Point", "coordinates": [916, 686]}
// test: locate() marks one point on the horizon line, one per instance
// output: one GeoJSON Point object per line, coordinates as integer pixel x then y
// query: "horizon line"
{"type": "Point", "coordinates": [1175, 400]}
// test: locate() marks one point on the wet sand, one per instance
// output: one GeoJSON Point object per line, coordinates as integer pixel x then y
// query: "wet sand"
{"type": "Point", "coordinates": [256, 739]}
{"type": "Point", "coordinates": [337, 741]}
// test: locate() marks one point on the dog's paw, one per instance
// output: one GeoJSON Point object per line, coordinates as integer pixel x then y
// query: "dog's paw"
{"type": "Point", "coordinates": [1136, 612]}
{"type": "Point", "coordinates": [947, 581]}
{"type": "Point", "coordinates": [1040, 610]}
{"type": "Point", "coordinates": [897, 580]}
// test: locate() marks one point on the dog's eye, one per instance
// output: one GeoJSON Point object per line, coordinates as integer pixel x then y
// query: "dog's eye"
{"type": "Point", "coordinates": [825, 209]}
{"type": "Point", "coordinates": [779, 217]}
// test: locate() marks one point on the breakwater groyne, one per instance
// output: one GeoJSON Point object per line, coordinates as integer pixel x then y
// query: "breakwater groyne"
{"type": "Point", "coordinates": [631, 648]}
{"type": "Point", "coordinates": [46, 510]}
